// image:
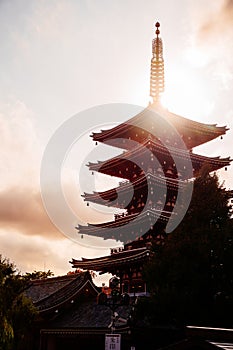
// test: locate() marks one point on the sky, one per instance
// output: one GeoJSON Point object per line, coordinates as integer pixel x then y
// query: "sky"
{"type": "Point", "coordinates": [59, 58]}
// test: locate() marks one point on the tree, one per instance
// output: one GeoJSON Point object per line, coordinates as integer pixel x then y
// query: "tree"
{"type": "Point", "coordinates": [190, 276]}
{"type": "Point", "coordinates": [16, 310]}
{"type": "Point", "coordinates": [29, 276]}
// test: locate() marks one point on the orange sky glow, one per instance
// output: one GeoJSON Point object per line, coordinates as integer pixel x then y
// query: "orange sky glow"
{"type": "Point", "coordinates": [62, 57]}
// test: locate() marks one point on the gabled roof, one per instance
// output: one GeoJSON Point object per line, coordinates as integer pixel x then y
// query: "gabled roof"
{"type": "Point", "coordinates": [41, 288]}
{"type": "Point", "coordinates": [90, 316]}
{"type": "Point", "coordinates": [52, 293]}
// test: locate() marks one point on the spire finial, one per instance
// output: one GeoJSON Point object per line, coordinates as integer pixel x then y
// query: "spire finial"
{"type": "Point", "coordinates": [157, 32]}
{"type": "Point", "coordinates": [157, 67]}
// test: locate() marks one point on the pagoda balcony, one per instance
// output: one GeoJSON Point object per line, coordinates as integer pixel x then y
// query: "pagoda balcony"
{"type": "Point", "coordinates": [132, 164]}
{"type": "Point", "coordinates": [128, 228]}
{"type": "Point", "coordinates": [119, 196]}
{"type": "Point", "coordinates": [112, 262]}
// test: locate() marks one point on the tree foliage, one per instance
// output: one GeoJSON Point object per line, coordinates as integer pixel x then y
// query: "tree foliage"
{"type": "Point", "coordinates": [16, 310]}
{"type": "Point", "coordinates": [29, 276]}
{"type": "Point", "coordinates": [190, 276]}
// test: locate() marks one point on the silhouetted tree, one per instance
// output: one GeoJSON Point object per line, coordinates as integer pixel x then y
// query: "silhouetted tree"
{"type": "Point", "coordinates": [29, 276]}
{"type": "Point", "coordinates": [191, 275]}
{"type": "Point", "coordinates": [16, 310]}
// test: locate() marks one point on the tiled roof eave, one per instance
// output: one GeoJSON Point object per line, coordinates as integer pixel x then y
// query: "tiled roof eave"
{"type": "Point", "coordinates": [56, 300]}
{"type": "Point", "coordinates": [211, 130]}
{"type": "Point", "coordinates": [99, 265]}
{"type": "Point", "coordinates": [101, 197]}
{"type": "Point", "coordinates": [130, 155]}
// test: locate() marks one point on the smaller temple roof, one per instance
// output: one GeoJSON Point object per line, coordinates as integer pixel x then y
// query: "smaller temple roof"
{"type": "Point", "coordinates": [41, 288]}
{"type": "Point", "coordinates": [91, 317]}
{"type": "Point", "coordinates": [52, 293]}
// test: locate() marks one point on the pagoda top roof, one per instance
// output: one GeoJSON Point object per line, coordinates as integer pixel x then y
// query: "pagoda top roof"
{"type": "Point", "coordinates": [192, 132]}
{"type": "Point", "coordinates": [108, 262]}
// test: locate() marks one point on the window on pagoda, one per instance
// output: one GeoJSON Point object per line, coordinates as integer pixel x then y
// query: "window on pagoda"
{"type": "Point", "coordinates": [150, 203]}
{"type": "Point", "coordinates": [137, 287]}
{"type": "Point", "coordinates": [125, 287]}
{"type": "Point", "coordinates": [149, 169]}
{"type": "Point", "coordinates": [169, 172]}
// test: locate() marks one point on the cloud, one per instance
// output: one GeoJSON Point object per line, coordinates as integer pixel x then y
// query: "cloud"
{"type": "Point", "coordinates": [41, 253]}
{"type": "Point", "coordinates": [22, 209]}
{"type": "Point", "coordinates": [214, 37]}
{"type": "Point", "coordinates": [219, 24]}
{"type": "Point", "coordinates": [27, 236]}
{"type": "Point", "coordinates": [20, 202]}
{"type": "Point", "coordinates": [20, 151]}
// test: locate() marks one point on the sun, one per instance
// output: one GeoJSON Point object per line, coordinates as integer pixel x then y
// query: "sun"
{"type": "Point", "coordinates": [187, 94]}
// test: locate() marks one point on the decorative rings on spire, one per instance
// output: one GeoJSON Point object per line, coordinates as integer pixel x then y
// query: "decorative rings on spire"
{"type": "Point", "coordinates": [157, 67]}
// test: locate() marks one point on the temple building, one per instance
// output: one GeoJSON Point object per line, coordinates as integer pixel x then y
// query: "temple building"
{"type": "Point", "coordinates": [159, 164]}
{"type": "Point", "coordinates": [155, 171]}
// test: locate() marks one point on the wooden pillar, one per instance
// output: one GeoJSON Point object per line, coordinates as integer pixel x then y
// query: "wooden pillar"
{"type": "Point", "coordinates": [130, 280]}
{"type": "Point", "coordinates": [51, 342]}
{"type": "Point", "coordinates": [43, 341]}
{"type": "Point", "coordinates": [121, 285]}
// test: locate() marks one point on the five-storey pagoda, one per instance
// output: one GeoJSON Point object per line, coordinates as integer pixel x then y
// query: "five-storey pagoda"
{"type": "Point", "coordinates": [158, 163]}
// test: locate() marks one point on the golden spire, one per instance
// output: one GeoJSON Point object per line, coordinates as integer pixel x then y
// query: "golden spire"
{"type": "Point", "coordinates": [157, 67]}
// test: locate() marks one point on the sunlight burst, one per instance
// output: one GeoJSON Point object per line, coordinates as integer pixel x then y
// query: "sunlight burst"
{"type": "Point", "coordinates": [187, 95]}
